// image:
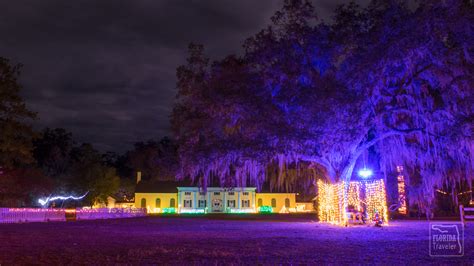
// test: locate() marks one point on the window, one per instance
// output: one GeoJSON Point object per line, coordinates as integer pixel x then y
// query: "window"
{"type": "Point", "coordinates": [202, 193]}
{"type": "Point", "coordinates": [158, 203]}
{"type": "Point", "coordinates": [143, 203]}
{"type": "Point", "coordinates": [259, 203]}
{"type": "Point", "coordinates": [202, 203]}
{"type": "Point", "coordinates": [274, 203]}
{"type": "Point", "coordinates": [188, 203]}
{"type": "Point", "coordinates": [231, 203]}
{"type": "Point", "coordinates": [217, 193]}
{"type": "Point", "coordinates": [187, 193]}
{"type": "Point", "coordinates": [172, 203]}
{"type": "Point", "coordinates": [287, 203]}
{"type": "Point", "coordinates": [245, 193]}
{"type": "Point", "coordinates": [245, 203]}
{"type": "Point", "coordinates": [231, 193]}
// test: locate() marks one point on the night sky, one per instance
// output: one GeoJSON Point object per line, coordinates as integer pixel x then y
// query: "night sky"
{"type": "Point", "coordinates": [105, 70]}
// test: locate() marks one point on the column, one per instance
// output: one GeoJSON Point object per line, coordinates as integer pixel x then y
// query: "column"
{"type": "Point", "coordinates": [208, 203]}
{"type": "Point", "coordinates": [238, 199]}
{"type": "Point", "coordinates": [178, 208]}
{"type": "Point", "coordinates": [253, 202]}
{"type": "Point", "coordinates": [225, 205]}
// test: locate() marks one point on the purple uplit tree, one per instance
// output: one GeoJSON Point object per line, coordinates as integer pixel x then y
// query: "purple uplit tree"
{"type": "Point", "coordinates": [310, 96]}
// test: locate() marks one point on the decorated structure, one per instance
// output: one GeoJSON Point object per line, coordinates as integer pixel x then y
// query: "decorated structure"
{"type": "Point", "coordinates": [402, 209]}
{"type": "Point", "coordinates": [115, 202]}
{"type": "Point", "coordinates": [357, 201]}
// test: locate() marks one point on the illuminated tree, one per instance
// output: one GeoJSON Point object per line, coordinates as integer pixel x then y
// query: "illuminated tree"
{"type": "Point", "coordinates": [386, 79]}
{"type": "Point", "coordinates": [419, 89]}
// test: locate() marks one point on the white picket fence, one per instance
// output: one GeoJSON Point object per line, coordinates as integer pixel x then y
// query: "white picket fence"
{"type": "Point", "coordinates": [109, 213]}
{"type": "Point", "coordinates": [24, 215]}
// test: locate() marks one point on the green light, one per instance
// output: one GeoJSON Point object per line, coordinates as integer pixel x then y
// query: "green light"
{"type": "Point", "coordinates": [265, 209]}
{"type": "Point", "coordinates": [192, 211]}
{"type": "Point", "coordinates": [169, 210]}
{"type": "Point", "coordinates": [242, 211]}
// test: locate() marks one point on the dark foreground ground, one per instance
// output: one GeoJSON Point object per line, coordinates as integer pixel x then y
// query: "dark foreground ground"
{"type": "Point", "coordinates": [220, 240]}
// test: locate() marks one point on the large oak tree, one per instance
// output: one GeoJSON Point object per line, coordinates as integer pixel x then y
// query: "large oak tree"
{"type": "Point", "coordinates": [386, 80]}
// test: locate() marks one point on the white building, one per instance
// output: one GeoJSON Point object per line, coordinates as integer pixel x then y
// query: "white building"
{"type": "Point", "coordinates": [216, 200]}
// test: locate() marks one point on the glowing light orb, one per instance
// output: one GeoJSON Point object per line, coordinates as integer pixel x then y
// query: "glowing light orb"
{"type": "Point", "coordinates": [45, 201]}
{"type": "Point", "coordinates": [365, 173]}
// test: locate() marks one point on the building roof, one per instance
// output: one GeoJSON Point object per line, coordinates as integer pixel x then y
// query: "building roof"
{"type": "Point", "coordinates": [172, 187]}
{"type": "Point", "coordinates": [267, 188]}
{"type": "Point", "coordinates": [123, 199]}
{"type": "Point", "coordinates": [160, 186]}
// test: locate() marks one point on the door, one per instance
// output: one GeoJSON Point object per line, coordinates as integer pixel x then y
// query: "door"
{"type": "Point", "coordinates": [217, 205]}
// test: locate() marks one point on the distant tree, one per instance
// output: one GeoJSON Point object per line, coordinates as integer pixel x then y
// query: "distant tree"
{"type": "Point", "coordinates": [111, 158]}
{"type": "Point", "coordinates": [106, 184]}
{"type": "Point", "coordinates": [52, 151]}
{"type": "Point", "coordinates": [144, 158]}
{"type": "Point", "coordinates": [89, 173]}
{"type": "Point", "coordinates": [124, 171]}
{"type": "Point", "coordinates": [15, 132]}
{"type": "Point", "coordinates": [126, 189]}
{"type": "Point", "coordinates": [155, 159]}
{"type": "Point", "coordinates": [168, 159]}
{"type": "Point", "coordinates": [23, 187]}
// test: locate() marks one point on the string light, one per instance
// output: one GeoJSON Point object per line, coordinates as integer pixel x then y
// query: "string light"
{"type": "Point", "coordinates": [330, 202]}
{"type": "Point", "coordinates": [169, 210]}
{"type": "Point", "coordinates": [192, 211]}
{"type": "Point", "coordinates": [265, 209]}
{"type": "Point", "coordinates": [353, 198]}
{"type": "Point", "coordinates": [376, 200]}
{"type": "Point", "coordinates": [401, 191]}
{"type": "Point", "coordinates": [242, 210]}
{"type": "Point", "coordinates": [334, 201]}
{"type": "Point", "coordinates": [45, 201]}
{"type": "Point", "coordinates": [447, 193]}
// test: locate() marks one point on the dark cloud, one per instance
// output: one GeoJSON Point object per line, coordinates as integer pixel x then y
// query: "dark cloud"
{"type": "Point", "coordinates": [105, 70]}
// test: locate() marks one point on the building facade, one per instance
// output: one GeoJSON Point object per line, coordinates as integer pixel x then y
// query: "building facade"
{"type": "Point", "coordinates": [156, 202]}
{"type": "Point", "coordinates": [216, 200]}
{"type": "Point", "coordinates": [187, 199]}
{"type": "Point", "coordinates": [279, 202]}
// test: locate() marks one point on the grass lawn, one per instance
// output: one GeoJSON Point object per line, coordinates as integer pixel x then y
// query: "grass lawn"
{"type": "Point", "coordinates": [222, 239]}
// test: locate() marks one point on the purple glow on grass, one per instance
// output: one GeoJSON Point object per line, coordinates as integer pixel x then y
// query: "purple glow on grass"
{"type": "Point", "coordinates": [109, 213]}
{"type": "Point", "coordinates": [20, 215]}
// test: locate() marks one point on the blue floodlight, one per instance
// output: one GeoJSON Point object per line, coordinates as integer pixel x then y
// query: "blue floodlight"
{"type": "Point", "coordinates": [365, 173]}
